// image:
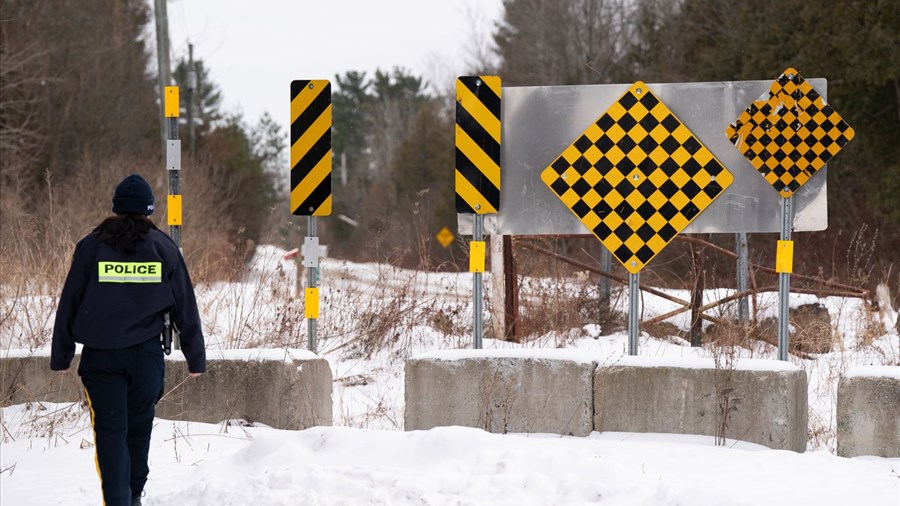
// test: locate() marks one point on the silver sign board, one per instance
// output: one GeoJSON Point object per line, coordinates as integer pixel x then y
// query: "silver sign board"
{"type": "Point", "coordinates": [539, 122]}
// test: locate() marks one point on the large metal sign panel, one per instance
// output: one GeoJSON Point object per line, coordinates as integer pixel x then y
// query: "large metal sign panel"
{"type": "Point", "coordinates": [539, 122]}
{"type": "Point", "coordinates": [789, 133]}
{"type": "Point", "coordinates": [636, 177]}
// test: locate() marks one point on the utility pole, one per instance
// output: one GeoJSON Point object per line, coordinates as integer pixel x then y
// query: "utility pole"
{"type": "Point", "coordinates": [162, 60]}
{"type": "Point", "coordinates": [191, 87]}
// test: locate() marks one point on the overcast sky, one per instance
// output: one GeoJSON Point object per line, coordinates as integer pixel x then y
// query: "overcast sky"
{"type": "Point", "coordinates": [255, 49]}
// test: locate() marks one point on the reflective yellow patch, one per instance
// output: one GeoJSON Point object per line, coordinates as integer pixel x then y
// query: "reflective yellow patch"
{"type": "Point", "coordinates": [174, 210]}
{"type": "Point", "coordinates": [784, 257]}
{"type": "Point", "coordinates": [129, 272]}
{"type": "Point", "coordinates": [312, 303]}
{"type": "Point", "coordinates": [476, 256]}
{"type": "Point", "coordinates": [171, 102]}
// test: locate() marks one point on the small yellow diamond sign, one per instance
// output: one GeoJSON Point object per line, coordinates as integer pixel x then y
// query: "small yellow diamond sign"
{"type": "Point", "coordinates": [789, 133]}
{"type": "Point", "coordinates": [636, 177]}
{"type": "Point", "coordinates": [445, 237]}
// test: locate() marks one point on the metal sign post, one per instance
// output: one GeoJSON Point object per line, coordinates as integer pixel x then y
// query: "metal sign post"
{"type": "Point", "coordinates": [311, 262]}
{"type": "Point", "coordinates": [788, 134]}
{"type": "Point", "coordinates": [477, 285]}
{"type": "Point", "coordinates": [743, 276]}
{"type": "Point", "coordinates": [605, 283]}
{"type": "Point", "coordinates": [634, 311]}
{"type": "Point", "coordinates": [477, 174]}
{"type": "Point", "coordinates": [311, 179]}
{"type": "Point", "coordinates": [784, 277]}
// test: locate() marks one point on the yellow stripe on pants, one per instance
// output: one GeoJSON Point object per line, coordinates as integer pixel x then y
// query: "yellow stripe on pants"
{"type": "Point", "coordinates": [96, 455]}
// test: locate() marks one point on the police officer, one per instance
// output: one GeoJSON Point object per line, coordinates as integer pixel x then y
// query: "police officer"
{"type": "Point", "coordinates": [125, 276]}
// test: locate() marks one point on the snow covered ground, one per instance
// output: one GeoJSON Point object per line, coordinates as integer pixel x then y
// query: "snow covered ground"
{"type": "Point", "coordinates": [373, 318]}
{"type": "Point", "coordinates": [202, 464]}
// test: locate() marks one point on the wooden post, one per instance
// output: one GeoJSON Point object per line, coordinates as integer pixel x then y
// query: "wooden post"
{"type": "Point", "coordinates": [511, 283]}
{"type": "Point", "coordinates": [696, 331]}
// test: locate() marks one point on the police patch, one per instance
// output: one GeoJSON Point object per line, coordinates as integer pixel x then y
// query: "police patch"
{"type": "Point", "coordinates": [129, 272]}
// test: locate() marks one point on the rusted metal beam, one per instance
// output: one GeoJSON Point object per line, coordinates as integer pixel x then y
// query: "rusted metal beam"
{"type": "Point", "coordinates": [738, 295]}
{"type": "Point", "coordinates": [675, 312]}
{"type": "Point", "coordinates": [857, 291]}
{"type": "Point", "coordinates": [599, 272]}
{"type": "Point", "coordinates": [685, 305]}
{"type": "Point", "coordinates": [832, 284]}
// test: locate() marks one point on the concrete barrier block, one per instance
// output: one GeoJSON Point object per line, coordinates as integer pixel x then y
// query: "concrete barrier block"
{"type": "Point", "coordinates": [282, 389]}
{"type": "Point", "coordinates": [868, 412]}
{"type": "Point", "coordinates": [285, 389]}
{"type": "Point", "coordinates": [26, 377]}
{"type": "Point", "coordinates": [501, 391]}
{"type": "Point", "coordinates": [765, 400]}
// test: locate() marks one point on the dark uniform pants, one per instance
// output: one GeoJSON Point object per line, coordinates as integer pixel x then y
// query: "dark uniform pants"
{"type": "Point", "coordinates": [123, 387]}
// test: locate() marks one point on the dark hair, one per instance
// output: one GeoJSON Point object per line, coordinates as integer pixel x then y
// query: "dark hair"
{"type": "Point", "coordinates": [123, 232]}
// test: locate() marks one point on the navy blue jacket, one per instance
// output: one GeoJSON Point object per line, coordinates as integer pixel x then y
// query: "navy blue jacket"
{"type": "Point", "coordinates": [114, 300]}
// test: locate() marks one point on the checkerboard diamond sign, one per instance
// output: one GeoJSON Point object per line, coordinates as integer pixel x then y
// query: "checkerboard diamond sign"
{"type": "Point", "coordinates": [789, 133]}
{"type": "Point", "coordinates": [636, 177]}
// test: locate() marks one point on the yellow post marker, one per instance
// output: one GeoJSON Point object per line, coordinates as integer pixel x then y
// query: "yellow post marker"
{"type": "Point", "coordinates": [174, 210]}
{"type": "Point", "coordinates": [312, 303]}
{"type": "Point", "coordinates": [171, 108]}
{"type": "Point", "coordinates": [476, 256]}
{"type": "Point", "coordinates": [784, 257]}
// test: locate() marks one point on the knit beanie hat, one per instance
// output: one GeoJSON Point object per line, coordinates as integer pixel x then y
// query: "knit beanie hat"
{"type": "Point", "coordinates": [133, 196]}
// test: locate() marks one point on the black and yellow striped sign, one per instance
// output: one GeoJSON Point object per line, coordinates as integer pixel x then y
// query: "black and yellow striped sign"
{"type": "Point", "coordinates": [789, 133]}
{"type": "Point", "coordinates": [636, 177]}
{"type": "Point", "coordinates": [311, 147]}
{"type": "Point", "coordinates": [478, 144]}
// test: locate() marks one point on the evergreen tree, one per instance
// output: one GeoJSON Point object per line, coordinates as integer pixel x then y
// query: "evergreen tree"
{"type": "Point", "coordinates": [241, 162]}
{"type": "Point", "coordinates": [854, 44]}
{"type": "Point", "coordinates": [350, 100]}
{"type": "Point", "coordinates": [207, 98]}
{"type": "Point", "coordinates": [242, 186]}
{"type": "Point", "coordinates": [351, 104]}
{"type": "Point", "coordinates": [371, 119]}
{"type": "Point", "coordinates": [424, 182]}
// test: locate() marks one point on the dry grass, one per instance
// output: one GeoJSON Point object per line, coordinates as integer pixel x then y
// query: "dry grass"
{"type": "Point", "coordinates": [368, 309]}
{"type": "Point", "coordinates": [40, 420]}
{"type": "Point", "coordinates": [37, 239]}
